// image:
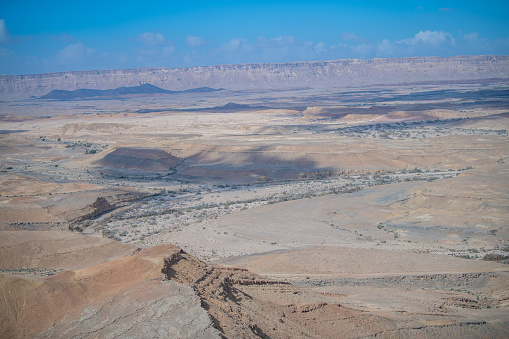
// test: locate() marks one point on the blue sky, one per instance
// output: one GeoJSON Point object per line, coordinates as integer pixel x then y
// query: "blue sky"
{"type": "Point", "coordinates": [49, 36]}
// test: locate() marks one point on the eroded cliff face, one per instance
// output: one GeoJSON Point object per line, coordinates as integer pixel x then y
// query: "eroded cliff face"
{"type": "Point", "coordinates": [340, 73]}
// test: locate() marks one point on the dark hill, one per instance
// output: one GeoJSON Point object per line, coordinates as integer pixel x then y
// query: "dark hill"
{"type": "Point", "coordinates": [117, 92]}
{"type": "Point", "coordinates": [233, 106]}
{"type": "Point", "coordinates": [201, 90]}
{"type": "Point", "coordinates": [140, 159]}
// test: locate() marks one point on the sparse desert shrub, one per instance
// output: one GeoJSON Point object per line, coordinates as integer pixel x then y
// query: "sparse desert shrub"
{"type": "Point", "coordinates": [495, 257]}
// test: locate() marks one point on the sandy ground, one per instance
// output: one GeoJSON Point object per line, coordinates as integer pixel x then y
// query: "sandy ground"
{"type": "Point", "coordinates": [56, 250]}
{"type": "Point", "coordinates": [341, 262]}
{"type": "Point", "coordinates": [380, 214]}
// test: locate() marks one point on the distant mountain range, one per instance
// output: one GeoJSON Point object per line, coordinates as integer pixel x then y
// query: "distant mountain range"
{"type": "Point", "coordinates": [336, 73]}
{"type": "Point", "coordinates": [59, 94]}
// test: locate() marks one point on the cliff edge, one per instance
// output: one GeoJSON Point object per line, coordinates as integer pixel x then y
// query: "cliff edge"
{"type": "Point", "coordinates": [336, 73]}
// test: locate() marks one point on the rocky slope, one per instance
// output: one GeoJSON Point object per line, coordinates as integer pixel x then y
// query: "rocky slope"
{"type": "Point", "coordinates": [125, 297]}
{"type": "Point", "coordinates": [63, 210]}
{"type": "Point", "coordinates": [341, 73]}
{"type": "Point", "coordinates": [119, 291]}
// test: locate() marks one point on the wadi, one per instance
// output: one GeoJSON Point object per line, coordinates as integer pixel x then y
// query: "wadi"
{"type": "Point", "coordinates": [332, 199]}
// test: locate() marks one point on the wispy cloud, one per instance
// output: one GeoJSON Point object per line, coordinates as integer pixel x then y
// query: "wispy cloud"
{"type": "Point", "coordinates": [352, 37]}
{"type": "Point", "coordinates": [152, 49]}
{"type": "Point", "coordinates": [289, 48]}
{"type": "Point", "coordinates": [472, 37]}
{"type": "Point", "coordinates": [476, 44]}
{"type": "Point", "coordinates": [320, 48]}
{"type": "Point", "coordinates": [156, 50]}
{"type": "Point", "coordinates": [152, 39]}
{"type": "Point", "coordinates": [423, 43]}
{"type": "Point", "coordinates": [74, 53]}
{"type": "Point", "coordinates": [236, 45]}
{"type": "Point", "coordinates": [194, 41]}
{"type": "Point", "coordinates": [4, 33]}
{"type": "Point", "coordinates": [263, 49]}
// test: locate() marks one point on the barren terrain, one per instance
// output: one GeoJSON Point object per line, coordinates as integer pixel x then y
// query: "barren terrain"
{"type": "Point", "coordinates": [378, 209]}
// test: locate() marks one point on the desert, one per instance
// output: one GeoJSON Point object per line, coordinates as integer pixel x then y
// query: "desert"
{"type": "Point", "coordinates": [332, 199]}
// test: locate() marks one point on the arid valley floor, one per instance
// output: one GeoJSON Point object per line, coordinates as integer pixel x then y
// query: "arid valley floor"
{"type": "Point", "coordinates": [284, 212]}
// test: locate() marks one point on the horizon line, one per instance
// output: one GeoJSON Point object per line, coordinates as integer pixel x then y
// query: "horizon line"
{"type": "Point", "coordinates": [254, 63]}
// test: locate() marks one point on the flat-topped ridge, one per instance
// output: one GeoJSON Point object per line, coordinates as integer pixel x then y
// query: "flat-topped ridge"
{"type": "Point", "coordinates": [338, 73]}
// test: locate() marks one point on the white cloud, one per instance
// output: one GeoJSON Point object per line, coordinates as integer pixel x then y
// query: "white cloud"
{"type": "Point", "coordinates": [472, 37]}
{"type": "Point", "coordinates": [352, 37]}
{"type": "Point", "coordinates": [284, 40]}
{"type": "Point", "coordinates": [423, 43]}
{"type": "Point", "coordinates": [281, 43]}
{"type": "Point", "coordinates": [74, 53]}
{"type": "Point", "coordinates": [4, 33]}
{"type": "Point", "coordinates": [152, 49]}
{"type": "Point", "coordinates": [474, 43]}
{"type": "Point", "coordinates": [156, 50]}
{"type": "Point", "coordinates": [194, 41]}
{"type": "Point", "coordinates": [385, 48]}
{"type": "Point", "coordinates": [320, 48]}
{"type": "Point", "coordinates": [263, 49]}
{"type": "Point", "coordinates": [152, 39]}
{"type": "Point", "coordinates": [363, 50]}
{"type": "Point", "coordinates": [236, 45]}
{"type": "Point", "coordinates": [435, 39]}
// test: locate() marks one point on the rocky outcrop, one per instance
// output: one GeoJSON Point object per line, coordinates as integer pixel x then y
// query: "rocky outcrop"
{"type": "Point", "coordinates": [101, 205]}
{"type": "Point", "coordinates": [121, 298]}
{"type": "Point", "coordinates": [245, 305]}
{"type": "Point", "coordinates": [234, 312]}
{"type": "Point", "coordinates": [340, 73]}
{"type": "Point", "coordinates": [163, 292]}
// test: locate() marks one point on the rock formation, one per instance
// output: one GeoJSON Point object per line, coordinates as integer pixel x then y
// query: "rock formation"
{"type": "Point", "coordinates": [336, 73]}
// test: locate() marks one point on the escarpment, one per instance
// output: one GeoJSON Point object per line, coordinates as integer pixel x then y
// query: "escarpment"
{"type": "Point", "coordinates": [337, 73]}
